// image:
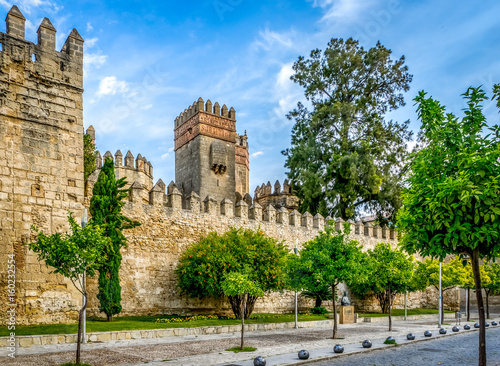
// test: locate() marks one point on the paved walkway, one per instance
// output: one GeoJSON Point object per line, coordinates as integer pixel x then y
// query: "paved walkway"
{"type": "Point", "coordinates": [280, 347]}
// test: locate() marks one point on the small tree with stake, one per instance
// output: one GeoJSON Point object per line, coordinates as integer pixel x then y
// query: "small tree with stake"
{"type": "Point", "coordinates": [452, 203]}
{"type": "Point", "coordinates": [330, 258]}
{"type": "Point", "coordinates": [388, 272]}
{"type": "Point", "coordinates": [72, 255]}
{"type": "Point", "coordinates": [240, 285]}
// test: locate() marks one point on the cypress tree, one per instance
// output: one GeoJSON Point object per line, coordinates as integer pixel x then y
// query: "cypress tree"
{"type": "Point", "coordinates": [105, 207]}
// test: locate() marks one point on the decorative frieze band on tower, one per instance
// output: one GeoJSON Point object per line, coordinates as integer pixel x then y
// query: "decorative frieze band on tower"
{"type": "Point", "coordinates": [202, 119]}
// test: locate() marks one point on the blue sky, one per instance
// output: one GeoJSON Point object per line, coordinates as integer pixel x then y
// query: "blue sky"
{"type": "Point", "coordinates": [145, 61]}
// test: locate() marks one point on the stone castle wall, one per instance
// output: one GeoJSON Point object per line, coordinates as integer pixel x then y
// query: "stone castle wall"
{"type": "Point", "coordinates": [41, 178]}
{"type": "Point", "coordinates": [41, 162]}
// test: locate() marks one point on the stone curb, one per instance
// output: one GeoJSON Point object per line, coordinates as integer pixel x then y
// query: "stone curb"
{"type": "Point", "coordinates": [381, 319]}
{"type": "Point", "coordinates": [366, 350]}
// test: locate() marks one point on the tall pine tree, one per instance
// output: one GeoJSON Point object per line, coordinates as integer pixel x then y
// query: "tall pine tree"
{"type": "Point", "coordinates": [105, 207]}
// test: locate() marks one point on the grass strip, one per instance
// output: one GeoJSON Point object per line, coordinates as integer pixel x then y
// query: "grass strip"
{"type": "Point", "coordinates": [149, 323]}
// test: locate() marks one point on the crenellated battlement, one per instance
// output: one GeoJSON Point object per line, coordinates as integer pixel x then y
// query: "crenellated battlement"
{"type": "Point", "coordinates": [278, 196]}
{"type": "Point", "coordinates": [246, 211]}
{"type": "Point", "coordinates": [208, 107]}
{"type": "Point", "coordinates": [41, 61]}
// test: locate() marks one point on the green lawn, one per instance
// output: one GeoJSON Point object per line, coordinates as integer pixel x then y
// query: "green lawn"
{"type": "Point", "coordinates": [148, 322]}
{"type": "Point", "coordinates": [401, 312]}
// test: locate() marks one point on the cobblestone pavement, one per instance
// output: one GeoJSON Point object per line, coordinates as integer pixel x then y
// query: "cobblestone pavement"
{"type": "Point", "coordinates": [460, 350]}
{"type": "Point", "coordinates": [210, 349]}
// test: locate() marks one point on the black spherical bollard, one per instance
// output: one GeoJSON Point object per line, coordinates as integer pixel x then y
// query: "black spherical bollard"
{"type": "Point", "coordinates": [466, 326]}
{"type": "Point", "coordinates": [486, 324]}
{"type": "Point", "coordinates": [428, 333]}
{"type": "Point", "coordinates": [338, 348]}
{"type": "Point", "coordinates": [442, 331]}
{"type": "Point", "coordinates": [303, 354]}
{"type": "Point", "coordinates": [367, 344]}
{"type": "Point", "coordinates": [410, 336]}
{"type": "Point", "coordinates": [494, 323]}
{"type": "Point", "coordinates": [259, 361]}
{"type": "Point", "coordinates": [476, 325]}
{"type": "Point", "coordinates": [455, 329]}
{"type": "Point", "coordinates": [390, 339]}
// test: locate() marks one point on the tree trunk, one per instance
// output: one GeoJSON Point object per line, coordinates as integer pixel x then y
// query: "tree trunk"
{"type": "Point", "coordinates": [468, 304]}
{"type": "Point", "coordinates": [487, 302]}
{"type": "Point", "coordinates": [242, 320]}
{"type": "Point", "coordinates": [79, 337]}
{"type": "Point", "coordinates": [110, 317]}
{"type": "Point", "coordinates": [390, 303]}
{"type": "Point", "coordinates": [318, 302]}
{"type": "Point", "coordinates": [480, 307]}
{"type": "Point", "coordinates": [334, 313]}
{"type": "Point", "coordinates": [235, 302]}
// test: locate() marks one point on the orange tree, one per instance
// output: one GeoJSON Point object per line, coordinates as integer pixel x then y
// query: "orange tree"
{"type": "Point", "coordinates": [204, 265]}
{"type": "Point", "coordinates": [452, 203]}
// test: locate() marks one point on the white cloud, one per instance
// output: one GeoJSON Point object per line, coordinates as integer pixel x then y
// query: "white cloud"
{"type": "Point", "coordinates": [110, 85]}
{"type": "Point", "coordinates": [89, 27]}
{"type": "Point", "coordinates": [94, 59]}
{"type": "Point", "coordinates": [89, 43]}
{"type": "Point", "coordinates": [26, 5]}
{"type": "Point", "coordinates": [257, 153]}
{"type": "Point", "coordinates": [269, 39]}
{"type": "Point", "coordinates": [342, 10]}
{"type": "Point", "coordinates": [148, 106]}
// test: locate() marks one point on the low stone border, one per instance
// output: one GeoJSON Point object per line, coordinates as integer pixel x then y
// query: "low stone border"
{"type": "Point", "coordinates": [381, 319]}
{"type": "Point", "coordinates": [37, 340]}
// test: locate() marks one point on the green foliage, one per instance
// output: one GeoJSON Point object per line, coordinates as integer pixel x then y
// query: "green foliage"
{"type": "Point", "coordinates": [204, 266]}
{"type": "Point", "coordinates": [392, 341]}
{"type": "Point", "coordinates": [493, 272]}
{"type": "Point", "coordinates": [452, 205]}
{"type": "Point", "coordinates": [318, 292]}
{"type": "Point", "coordinates": [328, 259]}
{"type": "Point", "coordinates": [319, 310]}
{"type": "Point", "coordinates": [72, 254]}
{"type": "Point", "coordinates": [388, 271]}
{"type": "Point", "coordinates": [453, 274]}
{"type": "Point", "coordinates": [236, 284]}
{"type": "Point", "coordinates": [88, 156]}
{"type": "Point", "coordinates": [344, 156]}
{"type": "Point", "coordinates": [238, 349]}
{"type": "Point", "coordinates": [105, 207]}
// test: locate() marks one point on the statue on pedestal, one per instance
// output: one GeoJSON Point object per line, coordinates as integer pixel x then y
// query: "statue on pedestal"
{"type": "Point", "coordinates": [345, 300]}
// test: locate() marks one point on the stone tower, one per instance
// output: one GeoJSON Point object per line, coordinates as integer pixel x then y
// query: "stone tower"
{"type": "Point", "coordinates": [41, 147]}
{"type": "Point", "coordinates": [210, 157]}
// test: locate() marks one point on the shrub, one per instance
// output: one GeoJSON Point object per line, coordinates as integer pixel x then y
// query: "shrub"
{"type": "Point", "coordinates": [319, 310]}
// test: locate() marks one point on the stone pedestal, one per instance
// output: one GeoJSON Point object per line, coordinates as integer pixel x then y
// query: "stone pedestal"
{"type": "Point", "coordinates": [346, 315]}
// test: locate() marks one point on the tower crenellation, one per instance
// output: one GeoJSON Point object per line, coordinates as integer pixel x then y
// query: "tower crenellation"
{"type": "Point", "coordinates": [210, 157]}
